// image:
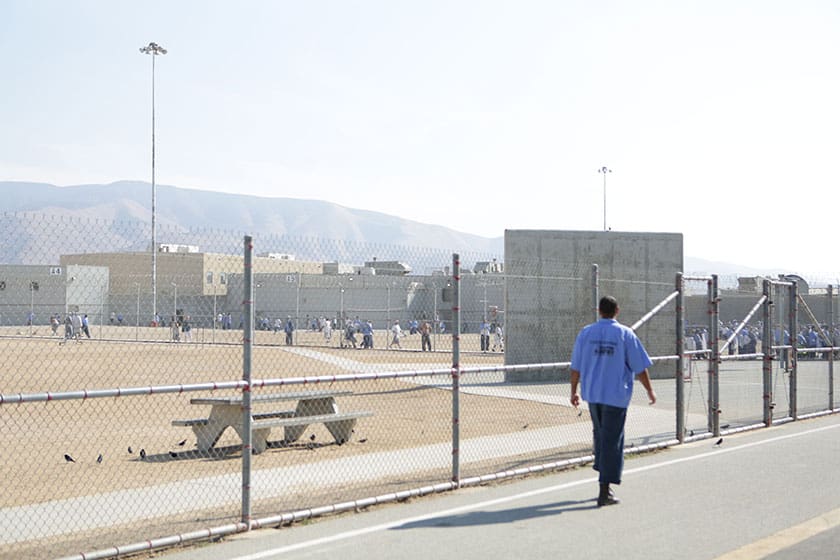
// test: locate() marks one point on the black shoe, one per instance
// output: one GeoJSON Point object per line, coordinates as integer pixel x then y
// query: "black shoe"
{"type": "Point", "coordinates": [608, 499]}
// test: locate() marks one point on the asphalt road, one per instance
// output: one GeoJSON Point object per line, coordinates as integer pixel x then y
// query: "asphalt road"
{"type": "Point", "coordinates": [770, 493]}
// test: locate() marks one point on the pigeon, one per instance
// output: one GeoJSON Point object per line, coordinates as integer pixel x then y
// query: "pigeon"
{"type": "Point", "coordinates": [142, 453]}
{"type": "Point", "coordinates": [691, 433]}
{"type": "Point", "coordinates": [718, 442]}
{"type": "Point", "coordinates": [312, 437]}
{"type": "Point", "coordinates": [130, 450]}
{"type": "Point", "coordinates": [69, 459]}
{"type": "Point", "coordinates": [173, 454]}
{"type": "Point", "coordinates": [362, 440]}
{"type": "Point", "coordinates": [99, 459]}
{"type": "Point", "coordinates": [525, 427]}
{"type": "Point", "coordinates": [182, 443]}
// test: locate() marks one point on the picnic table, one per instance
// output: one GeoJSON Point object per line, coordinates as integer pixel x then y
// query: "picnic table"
{"type": "Point", "coordinates": [313, 407]}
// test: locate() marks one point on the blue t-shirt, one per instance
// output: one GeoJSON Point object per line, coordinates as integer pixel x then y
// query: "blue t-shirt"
{"type": "Point", "coordinates": [608, 356]}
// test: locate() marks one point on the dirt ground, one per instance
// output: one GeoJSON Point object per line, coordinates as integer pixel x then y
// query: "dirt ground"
{"type": "Point", "coordinates": [104, 436]}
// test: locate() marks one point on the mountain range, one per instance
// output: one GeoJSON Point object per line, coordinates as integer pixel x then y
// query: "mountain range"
{"type": "Point", "coordinates": [198, 217]}
{"type": "Point", "coordinates": [33, 214]}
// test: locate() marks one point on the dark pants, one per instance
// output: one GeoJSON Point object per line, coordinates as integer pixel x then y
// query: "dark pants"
{"type": "Point", "coordinates": [426, 341]}
{"type": "Point", "coordinates": [608, 441]}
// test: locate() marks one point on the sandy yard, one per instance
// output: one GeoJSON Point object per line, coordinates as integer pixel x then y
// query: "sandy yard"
{"type": "Point", "coordinates": [34, 437]}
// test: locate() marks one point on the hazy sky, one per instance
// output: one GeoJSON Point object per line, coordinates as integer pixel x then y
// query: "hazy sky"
{"type": "Point", "coordinates": [719, 118]}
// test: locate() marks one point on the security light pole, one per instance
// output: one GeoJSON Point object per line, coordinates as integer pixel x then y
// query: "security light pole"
{"type": "Point", "coordinates": [605, 170]}
{"type": "Point", "coordinates": [153, 49]}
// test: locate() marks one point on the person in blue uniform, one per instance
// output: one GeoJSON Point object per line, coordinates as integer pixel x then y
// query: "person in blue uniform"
{"type": "Point", "coordinates": [606, 358]}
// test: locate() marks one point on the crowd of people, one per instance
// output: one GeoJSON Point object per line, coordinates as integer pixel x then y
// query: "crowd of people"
{"type": "Point", "coordinates": [746, 341]}
{"type": "Point", "coordinates": [75, 325]}
{"type": "Point", "coordinates": [351, 332]}
{"type": "Point", "coordinates": [359, 333]}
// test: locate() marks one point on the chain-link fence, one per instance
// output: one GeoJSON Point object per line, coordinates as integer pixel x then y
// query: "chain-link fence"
{"type": "Point", "coordinates": [257, 384]}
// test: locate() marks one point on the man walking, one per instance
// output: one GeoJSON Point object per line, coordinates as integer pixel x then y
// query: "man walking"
{"type": "Point", "coordinates": [606, 357]}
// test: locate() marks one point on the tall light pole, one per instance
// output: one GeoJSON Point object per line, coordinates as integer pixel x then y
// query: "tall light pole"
{"type": "Point", "coordinates": [605, 170]}
{"type": "Point", "coordinates": [153, 49]}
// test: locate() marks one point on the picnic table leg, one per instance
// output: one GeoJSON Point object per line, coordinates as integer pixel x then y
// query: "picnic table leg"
{"type": "Point", "coordinates": [341, 430]}
{"type": "Point", "coordinates": [259, 441]}
{"type": "Point", "coordinates": [221, 416]}
{"type": "Point", "coordinates": [310, 407]}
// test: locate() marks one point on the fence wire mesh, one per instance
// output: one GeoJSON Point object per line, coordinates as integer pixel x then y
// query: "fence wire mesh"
{"type": "Point", "coordinates": [121, 417]}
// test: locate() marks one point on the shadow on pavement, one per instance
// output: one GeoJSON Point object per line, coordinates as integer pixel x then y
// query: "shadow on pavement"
{"type": "Point", "coordinates": [502, 516]}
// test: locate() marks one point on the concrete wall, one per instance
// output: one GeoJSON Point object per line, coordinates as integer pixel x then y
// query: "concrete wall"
{"type": "Point", "coordinates": [57, 290]}
{"type": "Point", "coordinates": [550, 296]}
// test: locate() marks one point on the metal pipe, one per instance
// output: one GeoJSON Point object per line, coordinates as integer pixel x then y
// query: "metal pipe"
{"type": "Point", "coordinates": [247, 350]}
{"type": "Point", "coordinates": [163, 542]}
{"type": "Point", "coordinates": [697, 278]}
{"type": "Point", "coordinates": [655, 310]}
{"type": "Point", "coordinates": [680, 349]}
{"type": "Point", "coordinates": [740, 327]}
{"type": "Point", "coordinates": [456, 368]}
{"type": "Point", "coordinates": [84, 394]}
{"type": "Point", "coordinates": [794, 368]}
{"type": "Point", "coordinates": [813, 318]}
{"type": "Point", "coordinates": [767, 354]}
{"type": "Point", "coordinates": [714, 359]}
{"type": "Point", "coordinates": [833, 343]}
{"type": "Point", "coordinates": [596, 289]}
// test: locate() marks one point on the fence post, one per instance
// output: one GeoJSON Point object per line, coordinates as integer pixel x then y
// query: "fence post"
{"type": "Point", "coordinates": [456, 368]}
{"type": "Point", "coordinates": [767, 351]}
{"type": "Point", "coordinates": [680, 349]}
{"type": "Point", "coordinates": [714, 357]}
{"type": "Point", "coordinates": [794, 364]}
{"type": "Point", "coordinates": [831, 342]}
{"type": "Point", "coordinates": [596, 289]}
{"type": "Point", "coordinates": [247, 348]}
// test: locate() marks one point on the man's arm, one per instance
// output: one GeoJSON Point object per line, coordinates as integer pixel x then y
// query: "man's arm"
{"type": "Point", "coordinates": [644, 378]}
{"type": "Point", "coordinates": [574, 378]}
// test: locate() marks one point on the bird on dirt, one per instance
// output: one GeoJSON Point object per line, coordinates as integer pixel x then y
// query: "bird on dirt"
{"type": "Point", "coordinates": [312, 437]}
{"type": "Point", "coordinates": [130, 450]}
{"type": "Point", "coordinates": [718, 442]}
{"type": "Point", "coordinates": [99, 459]}
{"type": "Point", "coordinates": [69, 459]}
{"type": "Point", "coordinates": [173, 454]}
{"type": "Point", "coordinates": [362, 440]}
{"type": "Point", "coordinates": [182, 443]}
{"type": "Point", "coordinates": [142, 453]}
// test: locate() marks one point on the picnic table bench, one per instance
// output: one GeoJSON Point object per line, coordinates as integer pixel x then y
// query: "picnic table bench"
{"type": "Point", "coordinates": [313, 407]}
